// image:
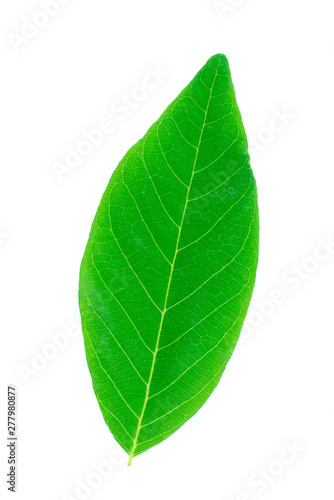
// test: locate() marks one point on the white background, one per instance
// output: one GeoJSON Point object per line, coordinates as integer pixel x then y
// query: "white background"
{"type": "Point", "coordinates": [278, 386]}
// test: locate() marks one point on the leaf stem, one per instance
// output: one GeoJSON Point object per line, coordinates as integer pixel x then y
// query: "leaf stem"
{"type": "Point", "coordinates": [169, 282]}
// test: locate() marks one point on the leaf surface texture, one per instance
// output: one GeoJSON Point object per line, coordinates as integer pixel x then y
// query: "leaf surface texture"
{"type": "Point", "coordinates": [170, 264]}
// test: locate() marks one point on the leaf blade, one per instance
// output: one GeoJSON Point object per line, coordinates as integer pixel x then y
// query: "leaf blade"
{"type": "Point", "coordinates": [172, 253]}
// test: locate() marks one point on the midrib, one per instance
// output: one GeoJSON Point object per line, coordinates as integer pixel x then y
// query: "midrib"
{"type": "Point", "coordinates": [169, 282]}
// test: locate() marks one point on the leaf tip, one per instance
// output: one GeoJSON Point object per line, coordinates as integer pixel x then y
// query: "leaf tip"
{"type": "Point", "coordinates": [218, 58]}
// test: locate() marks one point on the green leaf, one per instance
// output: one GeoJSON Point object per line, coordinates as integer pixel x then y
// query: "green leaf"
{"type": "Point", "coordinates": [170, 264]}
